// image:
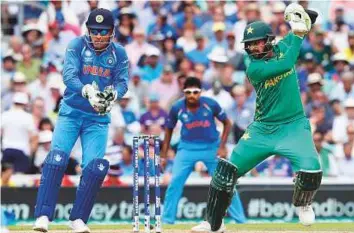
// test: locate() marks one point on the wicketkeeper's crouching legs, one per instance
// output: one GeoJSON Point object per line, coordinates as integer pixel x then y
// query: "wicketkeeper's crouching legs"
{"type": "Point", "coordinates": [221, 192]}
{"type": "Point", "coordinates": [52, 175]}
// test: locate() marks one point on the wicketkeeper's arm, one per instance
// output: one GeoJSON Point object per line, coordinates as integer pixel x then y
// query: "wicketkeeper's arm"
{"type": "Point", "coordinates": [121, 74]}
{"type": "Point", "coordinates": [71, 67]}
{"type": "Point", "coordinates": [121, 82]}
{"type": "Point", "coordinates": [120, 77]}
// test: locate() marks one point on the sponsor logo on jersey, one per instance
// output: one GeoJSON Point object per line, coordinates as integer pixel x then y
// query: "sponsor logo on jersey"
{"type": "Point", "coordinates": [185, 117]}
{"type": "Point", "coordinates": [274, 81]}
{"type": "Point", "coordinates": [198, 124]}
{"type": "Point", "coordinates": [88, 56]}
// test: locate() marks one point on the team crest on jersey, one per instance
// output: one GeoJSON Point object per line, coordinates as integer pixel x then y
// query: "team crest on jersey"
{"type": "Point", "coordinates": [110, 61]}
{"type": "Point", "coordinates": [205, 113]}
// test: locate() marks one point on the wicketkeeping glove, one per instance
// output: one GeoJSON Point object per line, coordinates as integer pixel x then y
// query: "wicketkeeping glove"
{"type": "Point", "coordinates": [110, 96]}
{"type": "Point", "coordinates": [298, 18]}
{"type": "Point", "coordinates": [94, 96]}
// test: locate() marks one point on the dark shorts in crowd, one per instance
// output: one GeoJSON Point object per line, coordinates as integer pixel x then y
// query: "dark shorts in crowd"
{"type": "Point", "coordinates": [20, 160]}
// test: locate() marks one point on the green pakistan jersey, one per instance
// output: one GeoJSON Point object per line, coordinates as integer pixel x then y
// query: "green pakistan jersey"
{"type": "Point", "coordinates": [276, 83]}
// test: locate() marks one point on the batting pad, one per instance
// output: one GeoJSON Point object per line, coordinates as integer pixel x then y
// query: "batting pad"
{"type": "Point", "coordinates": [52, 175]}
{"type": "Point", "coordinates": [90, 183]}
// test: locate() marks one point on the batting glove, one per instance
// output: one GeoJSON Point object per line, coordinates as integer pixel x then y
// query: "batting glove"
{"type": "Point", "coordinates": [298, 19]}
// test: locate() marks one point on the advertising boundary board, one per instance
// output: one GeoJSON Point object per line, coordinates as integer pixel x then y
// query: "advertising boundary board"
{"type": "Point", "coordinates": [261, 203]}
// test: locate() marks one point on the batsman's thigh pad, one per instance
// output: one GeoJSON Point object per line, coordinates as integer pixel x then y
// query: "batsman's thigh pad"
{"type": "Point", "coordinates": [52, 174]}
{"type": "Point", "coordinates": [221, 191]}
{"type": "Point", "coordinates": [90, 183]}
{"type": "Point", "coordinates": [306, 185]}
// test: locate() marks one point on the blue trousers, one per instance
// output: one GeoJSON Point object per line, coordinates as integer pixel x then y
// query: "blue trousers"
{"type": "Point", "coordinates": [93, 137]}
{"type": "Point", "coordinates": [183, 165]}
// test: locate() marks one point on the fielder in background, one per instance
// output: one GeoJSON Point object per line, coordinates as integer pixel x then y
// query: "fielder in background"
{"type": "Point", "coordinates": [95, 74]}
{"type": "Point", "coordinates": [200, 141]}
{"type": "Point", "coordinates": [280, 126]}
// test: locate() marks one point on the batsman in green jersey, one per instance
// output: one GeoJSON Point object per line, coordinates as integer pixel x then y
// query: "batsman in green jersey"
{"type": "Point", "coordinates": [280, 126]}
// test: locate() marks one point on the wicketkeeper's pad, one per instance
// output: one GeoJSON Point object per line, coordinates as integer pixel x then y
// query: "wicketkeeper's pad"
{"type": "Point", "coordinates": [54, 167]}
{"type": "Point", "coordinates": [90, 183]}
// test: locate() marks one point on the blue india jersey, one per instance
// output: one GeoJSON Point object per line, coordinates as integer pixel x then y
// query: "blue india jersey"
{"type": "Point", "coordinates": [83, 66]}
{"type": "Point", "coordinates": [198, 128]}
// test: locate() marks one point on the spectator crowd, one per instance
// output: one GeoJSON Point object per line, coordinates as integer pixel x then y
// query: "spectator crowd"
{"type": "Point", "coordinates": [166, 42]}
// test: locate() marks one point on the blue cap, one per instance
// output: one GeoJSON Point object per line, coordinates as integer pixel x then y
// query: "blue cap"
{"type": "Point", "coordinates": [100, 19]}
{"type": "Point", "coordinates": [154, 97]}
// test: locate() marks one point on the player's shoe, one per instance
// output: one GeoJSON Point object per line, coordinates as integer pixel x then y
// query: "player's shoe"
{"type": "Point", "coordinates": [78, 226]}
{"type": "Point", "coordinates": [205, 227]}
{"type": "Point", "coordinates": [41, 224]}
{"type": "Point", "coordinates": [306, 215]}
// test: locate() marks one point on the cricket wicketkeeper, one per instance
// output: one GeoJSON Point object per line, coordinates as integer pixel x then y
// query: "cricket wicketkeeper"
{"type": "Point", "coordinates": [95, 74]}
{"type": "Point", "coordinates": [280, 126]}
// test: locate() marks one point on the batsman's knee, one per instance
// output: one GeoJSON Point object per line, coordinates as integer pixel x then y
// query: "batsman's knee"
{"type": "Point", "coordinates": [306, 186]}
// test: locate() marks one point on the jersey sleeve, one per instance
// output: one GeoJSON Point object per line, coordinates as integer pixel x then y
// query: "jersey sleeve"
{"type": "Point", "coordinates": [261, 70]}
{"type": "Point", "coordinates": [121, 74]}
{"type": "Point", "coordinates": [288, 39]}
{"type": "Point", "coordinates": [72, 64]}
{"type": "Point", "coordinates": [172, 117]}
{"type": "Point", "coordinates": [219, 113]}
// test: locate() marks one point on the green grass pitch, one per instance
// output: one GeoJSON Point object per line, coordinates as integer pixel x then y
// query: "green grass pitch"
{"type": "Point", "coordinates": [258, 227]}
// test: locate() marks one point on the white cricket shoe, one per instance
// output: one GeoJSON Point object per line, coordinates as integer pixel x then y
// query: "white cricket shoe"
{"type": "Point", "coordinates": [41, 224]}
{"type": "Point", "coordinates": [306, 215]}
{"type": "Point", "coordinates": [205, 227]}
{"type": "Point", "coordinates": [78, 226]}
